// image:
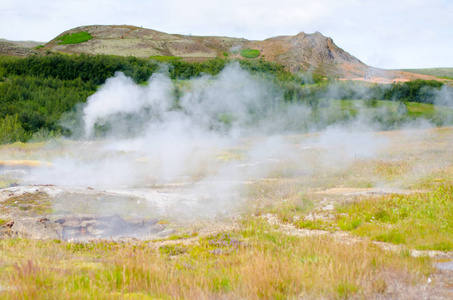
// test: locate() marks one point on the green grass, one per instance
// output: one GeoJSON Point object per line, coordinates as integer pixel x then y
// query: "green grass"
{"type": "Point", "coordinates": [336, 110]}
{"type": "Point", "coordinates": [28, 204]}
{"type": "Point", "coordinates": [7, 181]}
{"type": "Point", "coordinates": [422, 221]}
{"type": "Point", "coordinates": [75, 38]}
{"type": "Point", "coordinates": [446, 73]}
{"type": "Point", "coordinates": [162, 58]}
{"type": "Point", "coordinates": [250, 53]}
{"type": "Point", "coordinates": [392, 106]}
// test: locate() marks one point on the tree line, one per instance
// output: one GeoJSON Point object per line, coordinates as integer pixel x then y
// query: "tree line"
{"type": "Point", "coordinates": [36, 91]}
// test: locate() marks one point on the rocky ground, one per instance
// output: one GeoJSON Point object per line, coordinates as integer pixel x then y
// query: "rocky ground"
{"type": "Point", "coordinates": [87, 214]}
{"type": "Point", "coordinates": [12, 49]}
{"type": "Point", "coordinates": [82, 215]}
{"type": "Point", "coordinates": [44, 212]}
{"type": "Point", "coordinates": [39, 212]}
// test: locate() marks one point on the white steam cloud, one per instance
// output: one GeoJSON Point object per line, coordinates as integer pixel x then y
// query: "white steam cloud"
{"type": "Point", "coordinates": [210, 134]}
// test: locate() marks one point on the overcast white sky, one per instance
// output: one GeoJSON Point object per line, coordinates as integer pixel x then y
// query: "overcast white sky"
{"type": "Point", "coordinates": [381, 33]}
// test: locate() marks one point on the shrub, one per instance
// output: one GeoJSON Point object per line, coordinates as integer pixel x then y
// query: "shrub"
{"type": "Point", "coordinates": [11, 130]}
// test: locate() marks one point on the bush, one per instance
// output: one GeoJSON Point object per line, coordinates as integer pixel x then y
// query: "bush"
{"type": "Point", "coordinates": [11, 130]}
{"type": "Point", "coordinates": [422, 91]}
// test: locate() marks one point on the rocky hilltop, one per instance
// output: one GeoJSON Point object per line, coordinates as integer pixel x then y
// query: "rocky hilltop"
{"type": "Point", "coordinates": [302, 52]}
{"type": "Point", "coordinates": [19, 48]}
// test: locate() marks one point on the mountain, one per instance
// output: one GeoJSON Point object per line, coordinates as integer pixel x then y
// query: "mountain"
{"type": "Point", "coordinates": [302, 52]}
{"type": "Point", "coordinates": [18, 48]}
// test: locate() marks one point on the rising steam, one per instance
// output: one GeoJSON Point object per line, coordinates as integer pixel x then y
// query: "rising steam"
{"type": "Point", "coordinates": [213, 132]}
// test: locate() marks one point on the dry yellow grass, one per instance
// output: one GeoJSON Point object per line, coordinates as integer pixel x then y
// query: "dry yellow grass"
{"type": "Point", "coordinates": [24, 163]}
{"type": "Point", "coordinates": [257, 261]}
{"type": "Point", "coordinates": [252, 263]}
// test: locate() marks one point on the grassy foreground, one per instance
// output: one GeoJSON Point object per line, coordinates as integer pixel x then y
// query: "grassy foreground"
{"type": "Point", "coordinates": [276, 250]}
{"type": "Point", "coordinates": [252, 262]}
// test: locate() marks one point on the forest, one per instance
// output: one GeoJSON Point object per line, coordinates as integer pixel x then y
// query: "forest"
{"type": "Point", "coordinates": [35, 92]}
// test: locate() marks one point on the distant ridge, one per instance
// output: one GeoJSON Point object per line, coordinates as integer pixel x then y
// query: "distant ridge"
{"type": "Point", "coordinates": [313, 52]}
{"type": "Point", "coordinates": [18, 48]}
{"type": "Point", "coordinates": [303, 52]}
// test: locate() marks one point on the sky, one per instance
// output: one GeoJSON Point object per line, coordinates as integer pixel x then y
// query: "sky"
{"type": "Point", "coordinates": [384, 34]}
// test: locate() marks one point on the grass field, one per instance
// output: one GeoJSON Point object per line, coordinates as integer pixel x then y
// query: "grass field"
{"type": "Point", "coordinates": [385, 111]}
{"type": "Point", "coordinates": [300, 234]}
{"type": "Point", "coordinates": [252, 262]}
{"type": "Point", "coordinates": [446, 73]}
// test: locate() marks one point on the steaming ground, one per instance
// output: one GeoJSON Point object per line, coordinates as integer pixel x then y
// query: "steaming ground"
{"type": "Point", "coordinates": [195, 150]}
{"type": "Point", "coordinates": [197, 146]}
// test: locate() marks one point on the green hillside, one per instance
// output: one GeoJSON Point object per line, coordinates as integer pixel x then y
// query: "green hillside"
{"type": "Point", "coordinates": [438, 72]}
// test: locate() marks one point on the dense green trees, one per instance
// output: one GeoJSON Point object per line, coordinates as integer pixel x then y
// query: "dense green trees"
{"type": "Point", "coordinates": [39, 102]}
{"type": "Point", "coordinates": [36, 91]}
{"type": "Point", "coordinates": [98, 68]}
{"type": "Point", "coordinates": [87, 68]}
{"type": "Point", "coordinates": [11, 130]}
{"type": "Point", "coordinates": [423, 91]}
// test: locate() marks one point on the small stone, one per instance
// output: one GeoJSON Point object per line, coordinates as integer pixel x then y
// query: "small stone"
{"type": "Point", "coordinates": [34, 229]}
{"type": "Point", "coordinates": [9, 224]}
